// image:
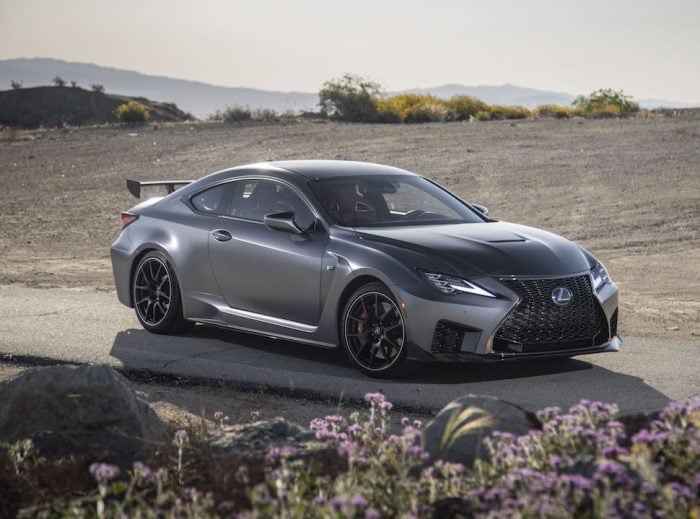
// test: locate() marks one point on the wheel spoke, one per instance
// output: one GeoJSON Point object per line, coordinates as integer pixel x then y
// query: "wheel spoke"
{"type": "Point", "coordinates": [142, 300]}
{"type": "Point", "coordinates": [393, 345]}
{"type": "Point", "coordinates": [384, 352]}
{"type": "Point", "coordinates": [372, 354]}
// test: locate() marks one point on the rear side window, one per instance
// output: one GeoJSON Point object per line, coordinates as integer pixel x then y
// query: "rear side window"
{"type": "Point", "coordinates": [214, 200]}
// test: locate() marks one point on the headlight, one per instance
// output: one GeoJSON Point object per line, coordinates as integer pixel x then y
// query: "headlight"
{"type": "Point", "coordinates": [599, 276]}
{"type": "Point", "coordinates": [451, 285]}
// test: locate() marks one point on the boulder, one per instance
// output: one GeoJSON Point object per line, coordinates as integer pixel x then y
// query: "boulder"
{"type": "Point", "coordinates": [456, 433]}
{"type": "Point", "coordinates": [69, 410]}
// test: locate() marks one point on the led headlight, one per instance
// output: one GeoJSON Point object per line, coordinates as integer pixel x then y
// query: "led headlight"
{"type": "Point", "coordinates": [599, 276]}
{"type": "Point", "coordinates": [452, 285]}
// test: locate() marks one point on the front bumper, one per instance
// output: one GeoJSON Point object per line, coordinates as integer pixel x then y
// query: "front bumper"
{"type": "Point", "coordinates": [426, 310]}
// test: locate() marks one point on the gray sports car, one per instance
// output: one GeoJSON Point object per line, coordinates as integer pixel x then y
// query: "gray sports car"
{"type": "Point", "coordinates": [378, 261]}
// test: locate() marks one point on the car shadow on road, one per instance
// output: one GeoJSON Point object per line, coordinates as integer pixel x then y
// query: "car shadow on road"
{"type": "Point", "coordinates": [231, 347]}
{"type": "Point", "coordinates": [208, 353]}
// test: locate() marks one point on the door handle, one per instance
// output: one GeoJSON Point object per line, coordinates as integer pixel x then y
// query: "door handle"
{"type": "Point", "coordinates": [221, 235]}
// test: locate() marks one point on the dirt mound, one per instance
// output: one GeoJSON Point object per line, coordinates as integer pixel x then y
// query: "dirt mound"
{"type": "Point", "coordinates": [59, 106]}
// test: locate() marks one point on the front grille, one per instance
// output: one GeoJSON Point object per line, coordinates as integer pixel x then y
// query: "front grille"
{"type": "Point", "coordinates": [447, 338]}
{"type": "Point", "coordinates": [536, 324]}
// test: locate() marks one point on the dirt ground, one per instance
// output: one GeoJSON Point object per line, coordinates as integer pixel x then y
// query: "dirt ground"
{"type": "Point", "coordinates": [628, 190]}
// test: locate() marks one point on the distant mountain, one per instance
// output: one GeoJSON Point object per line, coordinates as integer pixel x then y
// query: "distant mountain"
{"type": "Point", "coordinates": [202, 99]}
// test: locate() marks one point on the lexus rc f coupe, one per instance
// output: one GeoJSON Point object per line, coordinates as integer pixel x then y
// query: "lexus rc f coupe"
{"type": "Point", "coordinates": [378, 261]}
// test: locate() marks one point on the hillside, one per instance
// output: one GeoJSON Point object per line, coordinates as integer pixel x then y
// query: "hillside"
{"type": "Point", "coordinates": [202, 99]}
{"type": "Point", "coordinates": [199, 99]}
{"type": "Point", "coordinates": [56, 106]}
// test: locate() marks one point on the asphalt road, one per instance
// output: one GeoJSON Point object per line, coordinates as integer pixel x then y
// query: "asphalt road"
{"type": "Point", "coordinates": [92, 327]}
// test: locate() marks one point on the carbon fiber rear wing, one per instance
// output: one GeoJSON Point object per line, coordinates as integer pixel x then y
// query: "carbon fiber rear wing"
{"type": "Point", "coordinates": [134, 186]}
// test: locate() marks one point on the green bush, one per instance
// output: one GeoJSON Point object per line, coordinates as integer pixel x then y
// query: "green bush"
{"type": "Point", "coordinates": [131, 113]}
{"type": "Point", "coordinates": [553, 112]}
{"type": "Point", "coordinates": [483, 115]}
{"type": "Point", "coordinates": [349, 98]}
{"type": "Point", "coordinates": [463, 108]}
{"type": "Point", "coordinates": [606, 102]}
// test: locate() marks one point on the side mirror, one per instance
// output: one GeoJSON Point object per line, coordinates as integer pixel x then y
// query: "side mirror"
{"type": "Point", "coordinates": [481, 208]}
{"type": "Point", "coordinates": [282, 222]}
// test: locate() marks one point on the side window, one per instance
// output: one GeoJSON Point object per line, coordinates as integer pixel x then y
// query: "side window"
{"type": "Point", "coordinates": [253, 199]}
{"type": "Point", "coordinates": [213, 200]}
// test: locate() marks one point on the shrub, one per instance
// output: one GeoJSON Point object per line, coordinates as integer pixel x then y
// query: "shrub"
{"type": "Point", "coordinates": [606, 102]}
{"type": "Point", "coordinates": [265, 115]}
{"type": "Point", "coordinates": [349, 98]}
{"type": "Point", "coordinates": [412, 108]}
{"type": "Point", "coordinates": [502, 112]}
{"type": "Point", "coordinates": [97, 88]}
{"type": "Point", "coordinates": [463, 108]}
{"type": "Point", "coordinates": [59, 81]}
{"type": "Point", "coordinates": [74, 84]}
{"type": "Point", "coordinates": [16, 85]}
{"type": "Point", "coordinates": [131, 113]}
{"type": "Point", "coordinates": [386, 110]}
{"type": "Point", "coordinates": [483, 115]}
{"type": "Point", "coordinates": [603, 112]}
{"type": "Point", "coordinates": [553, 111]}
{"type": "Point", "coordinates": [235, 114]}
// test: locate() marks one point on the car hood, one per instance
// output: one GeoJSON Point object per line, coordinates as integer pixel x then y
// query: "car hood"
{"type": "Point", "coordinates": [489, 248]}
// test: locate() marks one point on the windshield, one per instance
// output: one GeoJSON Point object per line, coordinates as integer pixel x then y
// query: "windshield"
{"type": "Point", "coordinates": [380, 201]}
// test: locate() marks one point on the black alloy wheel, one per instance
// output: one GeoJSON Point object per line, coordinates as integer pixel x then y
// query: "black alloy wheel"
{"type": "Point", "coordinates": [374, 335]}
{"type": "Point", "coordinates": [156, 295]}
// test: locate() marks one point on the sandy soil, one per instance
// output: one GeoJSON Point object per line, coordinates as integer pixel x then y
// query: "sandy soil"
{"type": "Point", "coordinates": [628, 190]}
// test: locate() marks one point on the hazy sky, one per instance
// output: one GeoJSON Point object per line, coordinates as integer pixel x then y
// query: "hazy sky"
{"type": "Point", "coordinates": [650, 48]}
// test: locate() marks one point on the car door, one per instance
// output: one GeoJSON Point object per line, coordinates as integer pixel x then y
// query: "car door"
{"type": "Point", "coordinates": [264, 271]}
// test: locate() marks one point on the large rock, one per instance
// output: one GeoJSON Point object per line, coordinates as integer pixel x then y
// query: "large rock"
{"type": "Point", "coordinates": [456, 433]}
{"type": "Point", "coordinates": [72, 410]}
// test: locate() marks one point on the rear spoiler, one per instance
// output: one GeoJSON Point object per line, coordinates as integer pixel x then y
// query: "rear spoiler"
{"type": "Point", "coordinates": [134, 186]}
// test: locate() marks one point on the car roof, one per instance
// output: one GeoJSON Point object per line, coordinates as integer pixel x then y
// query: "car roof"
{"type": "Point", "coordinates": [319, 169]}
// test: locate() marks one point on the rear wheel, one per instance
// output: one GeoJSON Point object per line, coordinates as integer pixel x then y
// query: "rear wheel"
{"type": "Point", "coordinates": [156, 296]}
{"type": "Point", "coordinates": [373, 334]}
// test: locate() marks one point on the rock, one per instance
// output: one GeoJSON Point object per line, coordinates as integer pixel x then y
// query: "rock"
{"type": "Point", "coordinates": [249, 445]}
{"type": "Point", "coordinates": [456, 433]}
{"type": "Point", "coordinates": [72, 410]}
{"type": "Point", "coordinates": [259, 437]}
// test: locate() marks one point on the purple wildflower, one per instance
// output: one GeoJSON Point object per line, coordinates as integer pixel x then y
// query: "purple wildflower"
{"type": "Point", "coordinates": [103, 472]}
{"type": "Point", "coordinates": [358, 500]}
{"type": "Point", "coordinates": [372, 513]}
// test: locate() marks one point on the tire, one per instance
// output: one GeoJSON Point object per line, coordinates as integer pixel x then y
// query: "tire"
{"type": "Point", "coordinates": [155, 292]}
{"type": "Point", "coordinates": [374, 341]}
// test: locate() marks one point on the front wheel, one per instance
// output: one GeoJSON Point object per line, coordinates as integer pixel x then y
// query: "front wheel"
{"type": "Point", "coordinates": [156, 296]}
{"type": "Point", "coordinates": [373, 333]}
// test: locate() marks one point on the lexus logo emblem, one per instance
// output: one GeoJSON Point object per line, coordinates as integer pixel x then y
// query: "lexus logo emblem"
{"type": "Point", "coordinates": [562, 296]}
